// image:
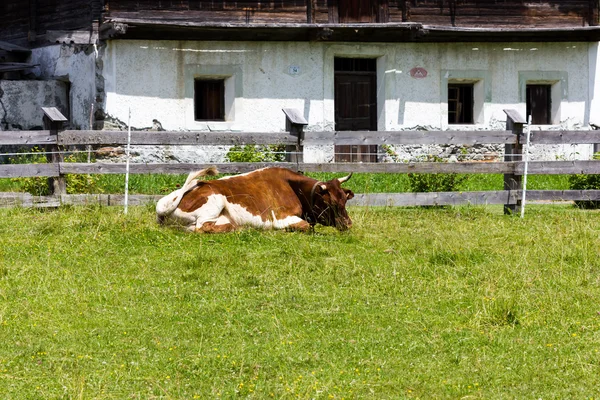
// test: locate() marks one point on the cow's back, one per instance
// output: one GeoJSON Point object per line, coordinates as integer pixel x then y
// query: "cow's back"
{"type": "Point", "coordinates": [266, 193]}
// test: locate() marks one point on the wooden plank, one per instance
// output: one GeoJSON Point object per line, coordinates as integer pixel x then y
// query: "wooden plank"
{"type": "Point", "coordinates": [469, 138]}
{"type": "Point", "coordinates": [8, 200]}
{"type": "Point", "coordinates": [562, 195]}
{"type": "Point", "coordinates": [108, 199]}
{"type": "Point", "coordinates": [26, 137]}
{"type": "Point", "coordinates": [14, 199]}
{"type": "Point", "coordinates": [134, 200]}
{"type": "Point", "coordinates": [513, 152]}
{"type": "Point", "coordinates": [119, 168]}
{"type": "Point", "coordinates": [27, 170]}
{"type": "Point", "coordinates": [470, 198]}
{"type": "Point", "coordinates": [15, 66]}
{"type": "Point", "coordinates": [54, 114]}
{"type": "Point", "coordinates": [360, 200]}
{"type": "Point", "coordinates": [561, 167]}
{"type": "Point", "coordinates": [294, 116]}
{"type": "Point", "coordinates": [13, 47]}
{"type": "Point", "coordinates": [515, 116]}
{"type": "Point", "coordinates": [474, 167]}
{"type": "Point", "coordinates": [70, 137]}
{"type": "Point", "coordinates": [565, 137]}
{"type": "Point", "coordinates": [84, 199]}
{"type": "Point", "coordinates": [435, 198]}
{"type": "Point", "coordinates": [232, 168]}
{"type": "Point", "coordinates": [405, 168]}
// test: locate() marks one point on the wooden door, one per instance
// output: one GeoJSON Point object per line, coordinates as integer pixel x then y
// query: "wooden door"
{"type": "Point", "coordinates": [355, 106]}
{"type": "Point", "coordinates": [539, 104]}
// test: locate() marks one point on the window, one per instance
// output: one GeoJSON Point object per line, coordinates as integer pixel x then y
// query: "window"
{"type": "Point", "coordinates": [460, 103]}
{"type": "Point", "coordinates": [539, 103]}
{"type": "Point", "coordinates": [542, 94]}
{"type": "Point", "coordinates": [209, 99]}
{"type": "Point", "coordinates": [464, 96]}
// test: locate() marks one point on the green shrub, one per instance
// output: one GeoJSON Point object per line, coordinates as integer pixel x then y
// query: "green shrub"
{"type": "Point", "coordinates": [252, 153]}
{"type": "Point", "coordinates": [586, 182]}
{"type": "Point", "coordinates": [435, 182]}
{"type": "Point", "coordinates": [81, 183]}
{"type": "Point", "coordinates": [39, 186]}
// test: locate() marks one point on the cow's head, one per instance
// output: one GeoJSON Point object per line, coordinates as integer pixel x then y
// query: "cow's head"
{"type": "Point", "coordinates": [329, 203]}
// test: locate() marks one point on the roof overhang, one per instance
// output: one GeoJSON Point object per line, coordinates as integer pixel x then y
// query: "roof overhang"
{"type": "Point", "coordinates": [390, 32]}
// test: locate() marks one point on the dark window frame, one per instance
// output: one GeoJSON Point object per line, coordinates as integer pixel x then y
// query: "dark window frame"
{"type": "Point", "coordinates": [209, 99]}
{"type": "Point", "coordinates": [461, 103]}
{"type": "Point", "coordinates": [538, 103]}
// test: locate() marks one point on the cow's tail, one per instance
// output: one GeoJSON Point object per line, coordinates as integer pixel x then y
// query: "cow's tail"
{"type": "Point", "coordinates": [168, 204]}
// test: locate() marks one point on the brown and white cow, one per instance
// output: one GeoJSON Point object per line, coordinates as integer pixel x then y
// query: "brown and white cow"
{"type": "Point", "coordinates": [268, 198]}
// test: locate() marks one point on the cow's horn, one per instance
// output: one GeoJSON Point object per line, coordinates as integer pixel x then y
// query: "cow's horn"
{"type": "Point", "coordinates": [344, 179]}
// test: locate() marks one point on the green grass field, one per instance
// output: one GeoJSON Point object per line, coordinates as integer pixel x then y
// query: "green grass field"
{"type": "Point", "coordinates": [410, 303]}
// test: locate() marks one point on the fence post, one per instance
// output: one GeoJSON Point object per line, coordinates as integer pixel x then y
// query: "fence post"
{"type": "Point", "coordinates": [294, 124]}
{"type": "Point", "coordinates": [53, 121]}
{"type": "Point", "coordinates": [514, 152]}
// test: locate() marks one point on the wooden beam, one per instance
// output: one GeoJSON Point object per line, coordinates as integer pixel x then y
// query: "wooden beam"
{"type": "Point", "coordinates": [31, 34]}
{"type": "Point", "coordinates": [565, 137]}
{"type": "Point", "coordinates": [70, 137]}
{"type": "Point", "coordinates": [360, 200]}
{"type": "Point", "coordinates": [334, 16]}
{"type": "Point", "coordinates": [405, 168]}
{"type": "Point", "coordinates": [28, 170]}
{"type": "Point", "coordinates": [311, 9]}
{"type": "Point", "coordinates": [561, 167]}
{"type": "Point", "coordinates": [409, 137]}
{"type": "Point", "coordinates": [119, 168]}
{"type": "Point", "coordinates": [435, 199]}
{"type": "Point", "coordinates": [513, 153]}
{"type": "Point", "coordinates": [26, 137]}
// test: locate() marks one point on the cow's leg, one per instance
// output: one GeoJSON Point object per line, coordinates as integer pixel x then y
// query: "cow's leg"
{"type": "Point", "coordinates": [209, 217]}
{"type": "Point", "coordinates": [299, 226]}
{"type": "Point", "coordinates": [212, 227]}
{"type": "Point", "coordinates": [221, 225]}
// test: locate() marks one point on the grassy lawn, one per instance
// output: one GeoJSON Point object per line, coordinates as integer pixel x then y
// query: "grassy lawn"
{"type": "Point", "coordinates": [411, 303]}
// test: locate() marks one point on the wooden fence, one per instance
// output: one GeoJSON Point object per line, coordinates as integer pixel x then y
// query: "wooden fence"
{"type": "Point", "coordinates": [54, 139]}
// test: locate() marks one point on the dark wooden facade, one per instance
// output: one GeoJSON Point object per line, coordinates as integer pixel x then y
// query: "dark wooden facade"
{"type": "Point", "coordinates": [28, 22]}
{"type": "Point", "coordinates": [468, 13]}
{"type": "Point", "coordinates": [22, 21]}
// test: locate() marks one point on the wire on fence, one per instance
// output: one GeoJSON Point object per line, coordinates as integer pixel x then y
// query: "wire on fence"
{"type": "Point", "coordinates": [422, 157]}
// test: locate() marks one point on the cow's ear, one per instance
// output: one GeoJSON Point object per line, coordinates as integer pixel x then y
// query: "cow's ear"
{"type": "Point", "coordinates": [349, 194]}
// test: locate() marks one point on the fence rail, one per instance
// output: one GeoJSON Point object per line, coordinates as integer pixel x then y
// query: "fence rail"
{"type": "Point", "coordinates": [54, 139]}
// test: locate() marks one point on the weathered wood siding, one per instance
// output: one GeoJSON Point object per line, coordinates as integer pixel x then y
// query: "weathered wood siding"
{"type": "Point", "coordinates": [250, 11]}
{"type": "Point", "coordinates": [467, 13]}
{"type": "Point", "coordinates": [22, 19]}
{"type": "Point", "coordinates": [500, 13]}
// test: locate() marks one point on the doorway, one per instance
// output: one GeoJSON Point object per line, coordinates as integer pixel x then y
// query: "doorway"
{"type": "Point", "coordinates": [355, 105]}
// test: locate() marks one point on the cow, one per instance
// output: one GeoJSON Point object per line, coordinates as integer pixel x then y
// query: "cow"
{"type": "Point", "coordinates": [268, 198]}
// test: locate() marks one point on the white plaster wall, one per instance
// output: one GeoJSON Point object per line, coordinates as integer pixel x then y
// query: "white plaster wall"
{"type": "Point", "coordinates": [148, 78]}
{"type": "Point", "coordinates": [76, 65]}
{"type": "Point", "coordinates": [152, 79]}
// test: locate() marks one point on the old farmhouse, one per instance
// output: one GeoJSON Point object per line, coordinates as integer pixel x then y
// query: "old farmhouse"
{"type": "Point", "coordinates": [344, 64]}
